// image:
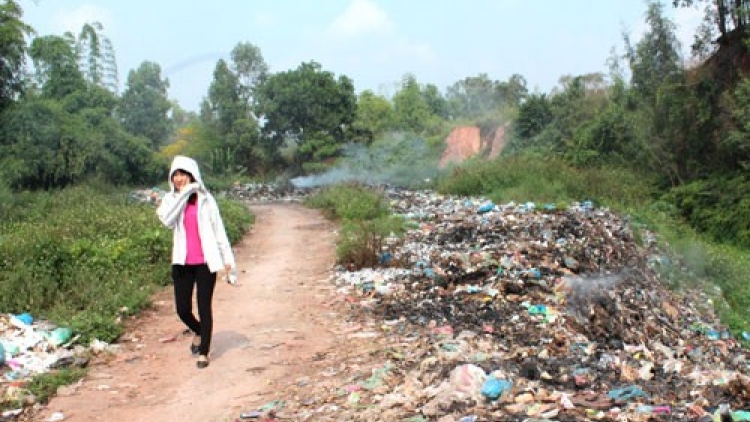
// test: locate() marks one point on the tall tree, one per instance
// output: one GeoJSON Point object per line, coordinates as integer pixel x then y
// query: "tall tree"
{"type": "Point", "coordinates": [13, 32]}
{"type": "Point", "coordinates": [56, 66]}
{"type": "Point", "coordinates": [308, 105]}
{"type": "Point", "coordinates": [250, 68]}
{"type": "Point", "coordinates": [96, 56]}
{"type": "Point", "coordinates": [655, 59]}
{"type": "Point", "coordinates": [513, 91]}
{"type": "Point", "coordinates": [665, 114]}
{"type": "Point", "coordinates": [412, 112]}
{"type": "Point", "coordinates": [144, 106]}
{"type": "Point", "coordinates": [472, 97]}
{"type": "Point", "coordinates": [730, 16]}
{"type": "Point", "coordinates": [225, 103]}
{"type": "Point", "coordinates": [374, 117]}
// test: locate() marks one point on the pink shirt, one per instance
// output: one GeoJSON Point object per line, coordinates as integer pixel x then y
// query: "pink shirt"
{"type": "Point", "coordinates": [194, 246]}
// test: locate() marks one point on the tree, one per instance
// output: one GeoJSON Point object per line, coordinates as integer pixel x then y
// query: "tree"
{"type": "Point", "coordinates": [250, 68]}
{"type": "Point", "coordinates": [374, 117]}
{"type": "Point", "coordinates": [435, 101]}
{"type": "Point", "coordinates": [225, 103]}
{"type": "Point", "coordinates": [56, 66]}
{"type": "Point", "coordinates": [412, 112]}
{"type": "Point", "coordinates": [45, 146]}
{"type": "Point", "coordinates": [665, 109]}
{"type": "Point", "coordinates": [144, 106]}
{"type": "Point", "coordinates": [728, 15]}
{"type": "Point", "coordinates": [472, 97]}
{"type": "Point", "coordinates": [13, 32]}
{"type": "Point", "coordinates": [655, 59]}
{"type": "Point", "coordinates": [533, 116]}
{"type": "Point", "coordinates": [513, 91]}
{"type": "Point", "coordinates": [479, 96]}
{"type": "Point", "coordinates": [304, 105]}
{"type": "Point", "coordinates": [96, 56]}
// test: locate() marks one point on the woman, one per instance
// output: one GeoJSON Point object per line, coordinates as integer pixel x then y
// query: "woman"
{"type": "Point", "coordinates": [200, 249]}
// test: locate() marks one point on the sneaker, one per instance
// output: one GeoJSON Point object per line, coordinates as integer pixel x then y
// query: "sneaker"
{"type": "Point", "coordinates": [195, 345]}
{"type": "Point", "coordinates": [202, 361]}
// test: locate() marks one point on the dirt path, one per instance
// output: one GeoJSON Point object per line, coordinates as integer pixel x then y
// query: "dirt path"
{"type": "Point", "coordinates": [266, 331]}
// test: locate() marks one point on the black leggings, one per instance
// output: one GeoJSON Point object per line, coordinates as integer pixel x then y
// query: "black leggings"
{"type": "Point", "coordinates": [184, 278]}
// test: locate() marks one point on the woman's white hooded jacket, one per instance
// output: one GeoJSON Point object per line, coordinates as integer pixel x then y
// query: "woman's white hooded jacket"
{"type": "Point", "coordinates": [216, 247]}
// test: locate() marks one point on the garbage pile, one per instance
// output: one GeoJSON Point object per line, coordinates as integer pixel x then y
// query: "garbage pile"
{"type": "Point", "coordinates": [30, 347]}
{"type": "Point", "coordinates": [517, 312]}
{"type": "Point", "coordinates": [252, 192]}
{"type": "Point", "coordinates": [266, 192]}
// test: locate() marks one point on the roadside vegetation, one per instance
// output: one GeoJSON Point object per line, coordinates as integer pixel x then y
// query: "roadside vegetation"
{"type": "Point", "coordinates": [365, 219]}
{"type": "Point", "coordinates": [86, 257]}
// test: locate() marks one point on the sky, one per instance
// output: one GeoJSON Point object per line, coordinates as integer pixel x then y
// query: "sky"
{"type": "Point", "coordinates": [373, 42]}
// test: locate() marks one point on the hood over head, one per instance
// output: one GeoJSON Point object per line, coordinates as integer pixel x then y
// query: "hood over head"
{"type": "Point", "coordinates": [181, 162]}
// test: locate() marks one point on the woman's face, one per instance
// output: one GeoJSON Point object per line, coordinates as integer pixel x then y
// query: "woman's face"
{"type": "Point", "coordinates": [180, 179]}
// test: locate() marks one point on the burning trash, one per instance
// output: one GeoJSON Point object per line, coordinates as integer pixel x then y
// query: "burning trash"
{"type": "Point", "coordinates": [524, 312]}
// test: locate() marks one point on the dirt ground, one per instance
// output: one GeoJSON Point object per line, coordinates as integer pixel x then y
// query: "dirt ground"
{"type": "Point", "coordinates": [267, 330]}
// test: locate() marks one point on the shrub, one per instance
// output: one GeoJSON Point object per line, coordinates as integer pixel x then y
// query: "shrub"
{"type": "Point", "coordinates": [349, 202]}
{"type": "Point", "coordinates": [366, 222]}
{"type": "Point", "coordinates": [360, 243]}
{"type": "Point", "coordinates": [531, 178]}
{"type": "Point", "coordinates": [85, 257]}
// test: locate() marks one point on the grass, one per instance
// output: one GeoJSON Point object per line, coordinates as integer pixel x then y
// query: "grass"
{"type": "Point", "coordinates": [524, 179]}
{"type": "Point", "coordinates": [366, 222]}
{"type": "Point", "coordinates": [85, 257]}
{"type": "Point", "coordinates": [44, 386]}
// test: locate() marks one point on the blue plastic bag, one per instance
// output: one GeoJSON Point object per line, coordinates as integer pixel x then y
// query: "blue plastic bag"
{"type": "Point", "coordinates": [494, 388]}
{"type": "Point", "coordinates": [626, 393]}
{"type": "Point", "coordinates": [486, 208]}
{"type": "Point", "coordinates": [25, 318]}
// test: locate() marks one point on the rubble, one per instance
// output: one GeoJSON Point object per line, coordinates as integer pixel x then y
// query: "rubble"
{"type": "Point", "coordinates": [490, 312]}
{"type": "Point", "coordinates": [250, 192]}
{"type": "Point", "coordinates": [30, 347]}
{"type": "Point", "coordinates": [267, 192]}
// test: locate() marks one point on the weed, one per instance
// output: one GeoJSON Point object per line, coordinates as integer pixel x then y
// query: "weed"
{"type": "Point", "coordinates": [361, 243]}
{"type": "Point", "coordinates": [366, 222]}
{"type": "Point", "coordinates": [44, 386]}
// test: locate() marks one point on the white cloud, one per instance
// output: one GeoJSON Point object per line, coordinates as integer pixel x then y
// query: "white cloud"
{"type": "Point", "coordinates": [360, 18]}
{"type": "Point", "coordinates": [73, 20]}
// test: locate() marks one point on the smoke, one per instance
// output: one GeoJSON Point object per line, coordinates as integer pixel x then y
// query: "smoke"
{"type": "Point", "coordinates": [396, 160]}
{"type": "Point", "coordinates": [583, 291]}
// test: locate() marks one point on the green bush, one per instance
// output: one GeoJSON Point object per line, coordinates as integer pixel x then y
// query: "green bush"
{"type": "Point", "coordinates": [349, 202]}
{"type": "Point", "coordinates": [366, 222]}
{"type": "Point", "coordinates": [719, 207]}
{"type": "Point", "coordinates": [85, 257]}
{"type": "Point", "coordinates": [530, 178]}
{"type": "Point", "coordinates": [360, 243]}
